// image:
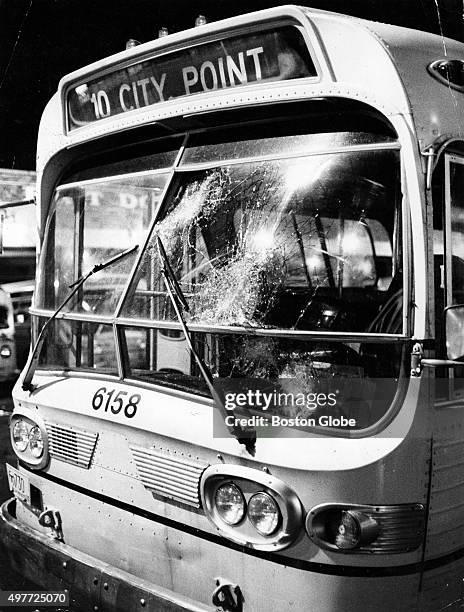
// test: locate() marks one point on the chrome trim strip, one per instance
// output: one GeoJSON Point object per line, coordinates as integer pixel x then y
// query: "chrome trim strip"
{"type": "Point", "coordinates": [281, 156]}
{"type": "Point", "coordinates": [196, 327]}
{"type": "Point", "coordinates": [115, 177]}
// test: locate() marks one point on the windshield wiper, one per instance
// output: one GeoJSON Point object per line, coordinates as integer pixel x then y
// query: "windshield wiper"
{"type": "Point", "coordinates": [33, 360]}
{"type": "Point", "coordinates": [245, 437]}
{"type": "Point", "coordinates": [299, 239]}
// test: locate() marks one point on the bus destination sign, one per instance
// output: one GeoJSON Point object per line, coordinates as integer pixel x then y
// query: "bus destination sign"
{"type": "Point", "coordinates": [272, 55]}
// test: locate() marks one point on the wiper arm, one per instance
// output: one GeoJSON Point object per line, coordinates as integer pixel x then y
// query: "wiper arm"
{"type": "Point", "coordinates": [299, 239]}
{"type": "Point", "coordinates": [35, 354]}
{"type": "Point", "coordinates": [245, 437]}
{"type": "Point", "coordinates": [169, 275]}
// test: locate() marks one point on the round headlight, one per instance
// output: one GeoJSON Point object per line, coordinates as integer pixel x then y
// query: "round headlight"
{"type": "Point", "coordinates": [20, 435]}
{"type": "Point", "coordinates": [263, 513]}
{"type": "Point", "coordinates": [230, 503]}
{"type": "Point", "coordinates": [36, 443]}
{"type": "Point", "coordinates": [5, 351]}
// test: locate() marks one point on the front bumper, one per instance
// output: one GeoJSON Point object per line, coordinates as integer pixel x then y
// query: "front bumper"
{"type": "Point", "coordinates": [92, 584]}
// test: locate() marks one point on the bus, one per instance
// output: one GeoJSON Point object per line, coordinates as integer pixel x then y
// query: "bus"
{"type": "Point", "coordinates": [18, 226]}
{"type": "Point", "coordinates": [245, 386]}
{"type": "Point", "coordinates": [18, 237]}
{"type": "Point", "coordinates": [15, 328]}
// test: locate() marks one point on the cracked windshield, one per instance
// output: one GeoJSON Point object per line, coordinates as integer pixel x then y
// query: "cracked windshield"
{"type": "Point", "coordinates": [265, 250]}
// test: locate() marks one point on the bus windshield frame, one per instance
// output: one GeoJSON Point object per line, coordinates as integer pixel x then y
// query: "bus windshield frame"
{"type": "Point", "coordinates": [329, 343]}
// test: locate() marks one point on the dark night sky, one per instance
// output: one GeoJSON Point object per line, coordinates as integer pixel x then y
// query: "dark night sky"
{"type": "Point", "coordinates": [41, 40]}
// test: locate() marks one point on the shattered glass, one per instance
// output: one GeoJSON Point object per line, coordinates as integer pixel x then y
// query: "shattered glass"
{"type": "Point", "coordinates": [261, 249]}
{"type": "Point", "coordinates": [304, 243]}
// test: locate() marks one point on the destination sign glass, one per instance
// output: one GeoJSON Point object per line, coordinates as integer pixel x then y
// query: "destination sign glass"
{"type": "Point", "coordinates": [272, 55]}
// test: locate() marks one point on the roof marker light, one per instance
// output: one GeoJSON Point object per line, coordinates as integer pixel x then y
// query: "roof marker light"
{"type": "Point", "coordinates": [163, 32]}
{"type": "Point", "coordinates": [200, 20]}
{"type": "Point", "coordinates": [131, 43]}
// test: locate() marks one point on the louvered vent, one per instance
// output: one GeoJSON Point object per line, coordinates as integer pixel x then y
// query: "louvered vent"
{"type": "Point", "coordinates": [169, 475]}
{"type": "Point", "coordinates": [71, 445]}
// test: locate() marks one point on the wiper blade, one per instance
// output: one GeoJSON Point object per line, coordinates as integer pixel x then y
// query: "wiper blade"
{"type": "Point", "coordinates": [245, 437]}
{"type": "Point", "coordinates": [169, 274]}
{"type": "Point", "coordinates": [33, 360]}
{"type": "Point", "coordinates": [299, 239]}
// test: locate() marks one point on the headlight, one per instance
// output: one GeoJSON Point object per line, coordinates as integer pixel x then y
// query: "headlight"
{"type": "Point", "coordinates": [348, 531]}
{"type": "Point", "coordinates": [28, 437]}
{"type": "Point", "coordinates": [36, 443]}
{"type": "Point", "coordinates": [251, 506]}
{"type": "Point", "coordinates": [5, 351]}
{"type": "Point", "coordinates": [230, 503]}
{"type": "Point", "coordinates": [21, 435]}
{"type": "Point", "coordinates": [263, 513]}
{"type": "Point", "coordinates": [354, 529]}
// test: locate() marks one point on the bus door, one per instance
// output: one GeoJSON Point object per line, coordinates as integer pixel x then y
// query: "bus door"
{"type": "Point", "coordinates": [445, 530]}
{"type": "Point", "coordinates": [454, 248]}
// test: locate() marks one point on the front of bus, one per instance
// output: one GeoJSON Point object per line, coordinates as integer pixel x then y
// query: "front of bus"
{"type": "Point", "coordinates": [218, 409]}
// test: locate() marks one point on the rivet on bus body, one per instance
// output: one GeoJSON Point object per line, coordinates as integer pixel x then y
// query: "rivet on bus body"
{"type": "Point", "coordinates": [142, 602]}
{"type": "Point", "coordinates": [220, 457]}
{"type": "Point", "coordinates": [105, 586]}
{"type": "Point", "coordinates": [95, 581]}
{"type": "Point", "coordinates": [65, 565]}
{"type": "Point", "coordinates": [95, 608]}
{"type": "Point", "coordinates": [266, 469]}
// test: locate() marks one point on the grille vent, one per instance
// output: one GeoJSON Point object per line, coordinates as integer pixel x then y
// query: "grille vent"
{"type": "Point", "coordinates": [71, 445]}
{"type": "Point", "coordinates": [170, 476]}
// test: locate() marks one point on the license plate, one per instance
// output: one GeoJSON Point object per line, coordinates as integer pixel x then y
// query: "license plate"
{"type": "Point", "coordinates": [19, 484]}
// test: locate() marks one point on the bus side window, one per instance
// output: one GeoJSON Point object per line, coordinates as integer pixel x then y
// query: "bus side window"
{"type": "Point", "coordinates": [454, 246]}
{"type": "Point", "coordinates": [448, 238]}
{"type": "Point", "coordinates": [438, 190]}
{"type": "Point", "coordinates": [3, 317]}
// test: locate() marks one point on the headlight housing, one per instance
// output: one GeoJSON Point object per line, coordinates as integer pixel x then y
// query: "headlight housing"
{"type": "Point", "coordinates": [251, 506]}
{"type": "Point", "coordinates": [29, 438]}
{"type": "Point", "coordinates": [356, 529]}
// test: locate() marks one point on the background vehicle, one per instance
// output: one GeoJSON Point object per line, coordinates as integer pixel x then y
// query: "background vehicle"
{"type": "Point", "coordinates": [276, 191]}
{"type": "Point", "coordinates": [18, 226]}
{"type": "Point", "coordinates": [15, 327]}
